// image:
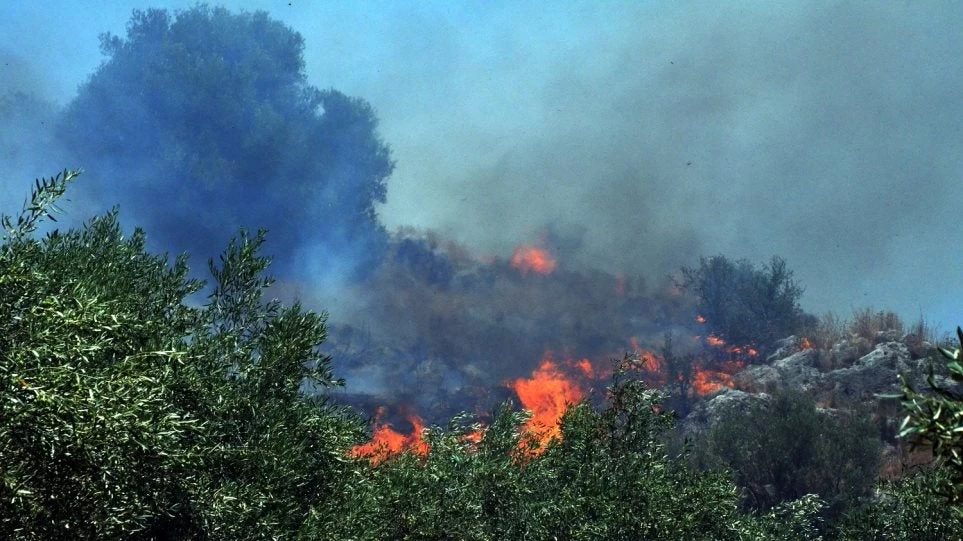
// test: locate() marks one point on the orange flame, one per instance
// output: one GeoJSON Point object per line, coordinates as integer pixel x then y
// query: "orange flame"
{"type": "Point", "coordinates": [700, 319]}
{"type": "Point", "coordinates": [476, 436]}
{"type": "Point", "coordinates": [547, 394]}
{"type": "Point", "coordinates": [530, 258]}
{"type": "Point", "coordinates": [586, 367]}
{"type": "Point", "coordinates": [717, 342]}
{"type": "Point", "coordinates": [386, 441]}
{"type": "Point", "coordinates": [806, 344]}
{"type": "Point", "coordinates": [709, 381]}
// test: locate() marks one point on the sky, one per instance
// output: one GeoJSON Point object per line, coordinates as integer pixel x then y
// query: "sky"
{"type": "Point", "coordinates": [647, 134]}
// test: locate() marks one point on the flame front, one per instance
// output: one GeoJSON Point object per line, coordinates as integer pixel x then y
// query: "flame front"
{"type": "Point", "coordinates": [710, 381]}
{"type": "Point", "coordinates": [386, 441]}
{"type": "Point", "coordinates": [717, 342]}
{"type": "Point", "coordinates": [547, 394]}
{"type": "Point", "coordinates": [532, 259]}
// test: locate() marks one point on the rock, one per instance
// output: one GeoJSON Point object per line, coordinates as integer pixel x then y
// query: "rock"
{"type": "Point", "coordinates": [846, 352]}
{"type": "Point", "coordinates": [785, 347]}
{"type": "Point", "coordinates": [875, 372]}
{"type": "Point", "coordinates": [757, 378]}
{"type": "Point", "coordinates": [799, 371]}
{"type": "Point", "coordinates": [889, 335]}
{"type": "Point", "coordinates": [704, 414]}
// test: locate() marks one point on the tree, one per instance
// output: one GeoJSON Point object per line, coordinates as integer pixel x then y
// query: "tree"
{"type": "Point", "coordinates": [126, 414]}
{"type": "Point", "coordinates": [202, 122]}
{"type": "Point", "coordinates": [744, 305]}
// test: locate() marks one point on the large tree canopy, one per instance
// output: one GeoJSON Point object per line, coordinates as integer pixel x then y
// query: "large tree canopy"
{"type": "Point", "coordinates": [210, 119]}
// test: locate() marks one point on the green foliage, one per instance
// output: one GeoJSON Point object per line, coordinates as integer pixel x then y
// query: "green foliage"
{"type": "Point", "coordinates": [784, 448]}
{"type": "Point", "coordinates": [905, 510]}
{"type": "Point", "coordinates": [42, 205]}
{"type": "Point", "coordinates": [936, 420]}
{"type": "Point", "coordinates": [126, 414]}
{"type": "Point", "coordinates": [744, 305]}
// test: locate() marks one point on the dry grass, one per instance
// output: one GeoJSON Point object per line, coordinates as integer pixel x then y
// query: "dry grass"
{"type": "Point", "coordinates": [830, 331]}
{"type": "Point", "coordinates": [868, 322]}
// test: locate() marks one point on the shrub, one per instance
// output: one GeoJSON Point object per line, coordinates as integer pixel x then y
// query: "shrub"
{"type": "Point", "coordinates": [904, 510]}
{"type": "Point", "coordinates": [868, 324]}
{"type": "Point", "coordinates": [744, 305]}
{"type": "Point", "coordinates": [784, 448]}
{"type": "Point", "coordinates": [126, 414]}
{"type": "Point", "coordinates": [936, 420]}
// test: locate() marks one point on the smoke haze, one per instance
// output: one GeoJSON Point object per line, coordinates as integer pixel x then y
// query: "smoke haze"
{"type": "Point", "coordinates": [630, 137]}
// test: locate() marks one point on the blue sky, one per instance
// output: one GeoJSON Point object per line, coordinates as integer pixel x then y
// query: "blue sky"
{"type": "Point", "coordinates": [649, 132]}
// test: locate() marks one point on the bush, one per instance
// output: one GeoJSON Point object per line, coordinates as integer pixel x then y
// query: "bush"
{"type": "Point", "coordinates": [744, 305]}
{"type": "Point", "coordinates": [784, 448]}
{"type": "Point", "coordinates": [126, 414]}
{"type": "Point", "coordinates": [904, 510]}
{"type": "Point", "coordinates": [936, 420]}
{"type": "Point", "coordinates": [869, 324]}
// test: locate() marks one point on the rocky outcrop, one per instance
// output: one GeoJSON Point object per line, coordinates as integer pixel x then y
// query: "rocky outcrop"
{"type": "Point", "coordinates": [798, 371]}
{"type": "Point", "coordinates": [704, 414]}
{"type": "Point", "coordinates": [875, 372]}
{"type": "Point", "coordinates": [860, 380]}
{"type": "Point", "coordinates": [849, 351]}
{"type": "Point", "coordinates": [785, 348]}
{"type": "Point", "coordinates": [872, 373]}
{"type": "Point", "coordinates": [758, 378]}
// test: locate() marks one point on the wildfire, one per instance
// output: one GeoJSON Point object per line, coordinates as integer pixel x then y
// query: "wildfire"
{"type": "Point", "coordinates": [649, 362]}
{"type": "Point", "coordinates": [475, 436]}
{"type": "Point", "coordinates": [547, 394]}
{"type": "Point", "coordinates": [700, 319]}
{"type": "Point", "coordinates": [709, 381]}
{"type": "Point", "coordinates": [717, 342]}
{"type": "Point", "coordinates": [586, 367]}
{"type": "Point", "coordinates": [386, 441]}
{"type": "Point", "coordinates": [531, 258]}
{"type": "Point", "coordinates": [806, 344]}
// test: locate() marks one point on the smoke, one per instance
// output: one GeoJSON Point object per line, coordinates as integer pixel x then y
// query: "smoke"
{"type": "Point", "coordinates": [824, 134]}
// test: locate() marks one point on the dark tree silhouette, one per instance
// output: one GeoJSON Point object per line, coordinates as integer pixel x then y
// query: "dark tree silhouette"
{"type": "Point", "coordinates": [208, 118]}
{"type": "Point", "coordinates": [745, 305]}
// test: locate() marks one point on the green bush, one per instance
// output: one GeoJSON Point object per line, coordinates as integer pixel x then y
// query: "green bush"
{"type": "Point", "coordinates": [905, 510]}
{"type": "Point", "coordinates": [126, 414]}
{"type": "Point", "coordinates": [784, 448]}
{"type": "Point", "coordinates": [936, 419]}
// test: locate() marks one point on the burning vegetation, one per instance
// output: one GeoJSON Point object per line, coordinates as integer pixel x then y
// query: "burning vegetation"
{"type": "Point", "coordinates": [464, 302]}
{"type": "Point", "coordinates": [532, 259]}
{"type": "Point", "coordinates": [386, 441]}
